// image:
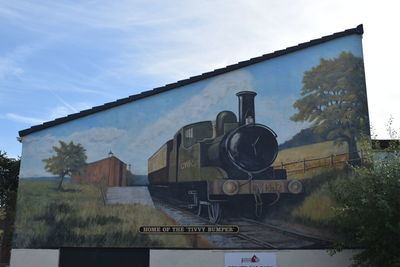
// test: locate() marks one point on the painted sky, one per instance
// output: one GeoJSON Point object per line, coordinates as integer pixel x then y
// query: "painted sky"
{"type": "Point", "coordinates": [134, 131]}
{"type": "Point", "coordinates": [59, 57]}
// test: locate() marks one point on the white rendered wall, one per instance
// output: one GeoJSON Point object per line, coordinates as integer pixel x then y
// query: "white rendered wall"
{"type": "Point", "coordinates": [34, 258]}
{"type": "Point", "coordinates": [194, 258]}
{"type": "Point", "coordinates": [215, 258]}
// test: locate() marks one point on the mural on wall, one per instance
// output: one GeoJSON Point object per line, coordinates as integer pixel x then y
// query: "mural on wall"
{"type": "Point", "coordinates": [219, 163]}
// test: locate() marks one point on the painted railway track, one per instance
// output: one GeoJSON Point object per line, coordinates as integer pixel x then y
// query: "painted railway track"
{"type": "Point", "coordinates": [276, 237]}
{"type": "Point", "coordinates": [252, 234]}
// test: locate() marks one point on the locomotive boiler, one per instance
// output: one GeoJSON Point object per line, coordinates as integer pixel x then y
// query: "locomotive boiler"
{"type": "Point", "coordinates": [211, 164]}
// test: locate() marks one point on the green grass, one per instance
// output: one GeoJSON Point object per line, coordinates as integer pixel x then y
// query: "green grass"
{"type": "Point", "coordinates": [76, 216]}
{"type": "Point", "coordinates": [317, 207]}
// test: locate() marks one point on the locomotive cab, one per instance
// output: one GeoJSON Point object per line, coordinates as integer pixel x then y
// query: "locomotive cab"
{"type": "Point", "coordinates": [185, 161]}
{"type": "Point", "coordinates": [196, 132]}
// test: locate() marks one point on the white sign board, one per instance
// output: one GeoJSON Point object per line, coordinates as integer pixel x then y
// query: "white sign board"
{"type": "Point", "coordinates": [250, 259]}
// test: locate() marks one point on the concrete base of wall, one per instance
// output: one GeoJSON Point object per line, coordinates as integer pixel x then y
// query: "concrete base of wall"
{"type": "Point", "coordinates": [285, 258]}
{"type": "Point", "coordinates": [34, 257]}
{"type": "Point", "coordinates": [194, 258]}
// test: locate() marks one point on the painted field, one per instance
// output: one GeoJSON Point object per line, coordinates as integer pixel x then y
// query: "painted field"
{"type": "Point", "coordinates": [309, 160]}
{"type": "Point", "coordinates": [49, 218]}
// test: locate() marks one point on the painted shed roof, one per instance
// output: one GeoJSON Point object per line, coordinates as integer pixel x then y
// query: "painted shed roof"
{"type": "Point", "coordinates": [132, 98]}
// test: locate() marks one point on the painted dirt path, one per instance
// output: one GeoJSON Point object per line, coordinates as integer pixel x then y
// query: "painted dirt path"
{"type": "Point", "coordinates": [129, 195]}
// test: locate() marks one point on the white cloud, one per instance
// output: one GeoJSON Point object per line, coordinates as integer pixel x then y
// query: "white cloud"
{"type": "Point", "coordinates": [8, 67]}
{"type": "Point", "coordinates": [175, 41]}
{"type": "Point", "coordinates": [23, 119]}
{"type": "Point", "coordinates": [196, 106]}
{"type": "Point", "coordinates": [54, 113]}
{"type": "Point", "coordinates": [96, 141]}
{"type": "Point", "coordinates": [166, 41]}
{"type": "Point", "coordinates": [55, 15]}
{"type": "Point", "coordinates": [276, 113]}
{"type": "Point", "coordinates": [62, 111]}
{"type": "Point", "coordinates": [135, 149]}
{"type": "Point", "coordinates": [7, 12]}
{"type": "Point", "coordinates": [99, 141]}
{"type": "Point", "coordinates": [11, 62]}
{"type": "Point", "coordinates": [204, 35]}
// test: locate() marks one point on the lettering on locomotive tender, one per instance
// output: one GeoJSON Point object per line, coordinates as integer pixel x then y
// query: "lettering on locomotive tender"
{"type": "Point", "coordinates": [188, 164]}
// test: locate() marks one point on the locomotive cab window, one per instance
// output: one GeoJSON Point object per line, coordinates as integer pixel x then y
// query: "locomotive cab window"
{"type": "Point", "coordinates": [196, 132]}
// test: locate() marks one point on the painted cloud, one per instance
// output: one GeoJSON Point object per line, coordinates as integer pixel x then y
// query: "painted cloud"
{"type": "Point", "coordinates": [97, 142]}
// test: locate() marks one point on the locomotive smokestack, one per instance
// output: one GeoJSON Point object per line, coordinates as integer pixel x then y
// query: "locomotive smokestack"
{"type": "Point", "coordinates": [246, 107]}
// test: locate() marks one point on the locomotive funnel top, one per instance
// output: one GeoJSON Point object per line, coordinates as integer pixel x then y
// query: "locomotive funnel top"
{"type": "Point", "coordinates": [246, 107]}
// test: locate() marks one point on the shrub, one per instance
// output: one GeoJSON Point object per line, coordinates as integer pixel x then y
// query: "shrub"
{"type": "Point", "coordinates": [367, 214]}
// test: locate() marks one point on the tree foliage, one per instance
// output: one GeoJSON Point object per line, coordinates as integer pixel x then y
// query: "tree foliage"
{"type": "Point", "coordinates": [68, 159]}
{"type": "Point", "coordinates": [9, 170]}
{"type": "Point", "coordinates": [368, 210]}
{"type": "Point", "coordinates": [304, 137]}
{"type": "Point", "coordinates": [334, 99]}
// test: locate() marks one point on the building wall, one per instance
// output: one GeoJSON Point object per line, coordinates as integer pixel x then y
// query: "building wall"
{"type": "Point", "coordinates": [215, 258]}
{"type": "Point", "coordinates": [110, 172]}
{"type": "Point", "coordinates": [34, 258]}
{"type": "Point", "coordinates": [136, 130]}
{"type": "Point", "coordinates": [195, 258]}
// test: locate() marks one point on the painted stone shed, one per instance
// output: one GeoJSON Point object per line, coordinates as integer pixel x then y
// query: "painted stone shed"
{"type": "Point", "coordinates": [110, 171]}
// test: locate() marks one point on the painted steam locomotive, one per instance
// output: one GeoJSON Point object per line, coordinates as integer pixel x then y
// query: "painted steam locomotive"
{"type": "Point", "coordinates": [209, 165]}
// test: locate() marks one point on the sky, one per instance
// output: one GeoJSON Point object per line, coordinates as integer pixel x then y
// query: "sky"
{"type": "Point", "coordinates": [60, 57]}
{"type": "Point", "coordinates": [136, 130]}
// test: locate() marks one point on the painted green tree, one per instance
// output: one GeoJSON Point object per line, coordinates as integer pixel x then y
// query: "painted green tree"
{"type": "Point", "coordinates": [334, 100]}
{"type": "Point", "coordinates": [68, 159]}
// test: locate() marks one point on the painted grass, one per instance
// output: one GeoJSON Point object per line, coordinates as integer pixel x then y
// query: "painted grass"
{"type": "Point", "coordinates": [317, 207]}
{"type": "Point", "coordinates": [47, 218]}
{"type": "Point", "coordinates": [311, 151]}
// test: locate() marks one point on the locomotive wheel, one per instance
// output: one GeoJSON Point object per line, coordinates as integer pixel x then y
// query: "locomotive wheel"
{"type": "Point", "coordinates": [192, 200]}
{"type": "Point", "coordinates": [214, 212]}
{"type": "Point", "coordinates": [199, 210]}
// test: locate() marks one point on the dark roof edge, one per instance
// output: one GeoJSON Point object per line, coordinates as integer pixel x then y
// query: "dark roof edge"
{"type": "Point", "coordinates": [358, 30]}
